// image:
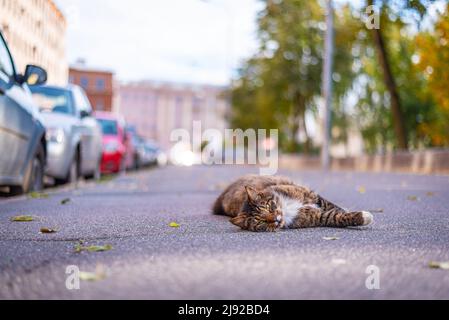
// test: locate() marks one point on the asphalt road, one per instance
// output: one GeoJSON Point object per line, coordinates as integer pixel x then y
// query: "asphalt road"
{"type": "Point", "coordinates": [208, 258]}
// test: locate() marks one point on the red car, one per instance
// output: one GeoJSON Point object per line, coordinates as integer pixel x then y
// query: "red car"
{"type": "Point", "coordinates": [114, 142]}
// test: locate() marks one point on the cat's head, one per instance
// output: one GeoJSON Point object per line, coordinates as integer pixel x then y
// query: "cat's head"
{"type": "Point", "coordinates": [261, 212]}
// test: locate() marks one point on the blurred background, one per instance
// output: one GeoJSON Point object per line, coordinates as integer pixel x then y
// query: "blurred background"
{"type": "Point", "coordinates": [154, 66]}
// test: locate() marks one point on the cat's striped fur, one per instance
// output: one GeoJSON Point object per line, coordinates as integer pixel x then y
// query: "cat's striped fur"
{"type": "Point", "coordinates": [259, 203]}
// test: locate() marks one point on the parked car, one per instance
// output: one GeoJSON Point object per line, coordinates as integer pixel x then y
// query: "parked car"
{"type": "Point", "coordinates": [22, 135]}
{"type": "Point", "coordinates": [114, 142]}
{"type": "Point", "coordinates": [132, 145]}
{"type": "Point", "coordinates": [74, 138]}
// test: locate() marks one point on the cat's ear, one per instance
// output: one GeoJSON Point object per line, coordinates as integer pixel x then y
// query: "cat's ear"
{"type": "Point", "coordinates": [239, 221]}
{"type": "Point", "coordinates": [253, 194]}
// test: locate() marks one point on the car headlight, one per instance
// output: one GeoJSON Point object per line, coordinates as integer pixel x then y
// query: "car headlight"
{"type": "Point", "coordinates": [110, 147]}
{"type": "Point", "coordinates": [56, 135]}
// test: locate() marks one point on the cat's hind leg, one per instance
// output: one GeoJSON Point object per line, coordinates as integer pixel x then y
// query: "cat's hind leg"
{"type": "Point", "coordinates": [311, 216]}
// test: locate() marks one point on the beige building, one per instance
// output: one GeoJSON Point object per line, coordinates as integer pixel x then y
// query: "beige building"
{"type": "Point", "coordinates": [157, 108]}
{"type": "Point", "coordinates": [35, 31]}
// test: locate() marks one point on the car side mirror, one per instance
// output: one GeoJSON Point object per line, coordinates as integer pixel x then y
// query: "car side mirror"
{"type": "Point", "coordinates": [84, 114]}
{"type": "Point", "coordinates": [34, 75]}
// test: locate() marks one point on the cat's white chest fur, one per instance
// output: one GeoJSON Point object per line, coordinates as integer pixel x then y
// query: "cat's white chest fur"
{"type": "Point", "coordinates": [290, 209]}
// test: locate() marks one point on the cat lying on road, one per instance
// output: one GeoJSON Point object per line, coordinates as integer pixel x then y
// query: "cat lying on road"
{"type": "Point", "coordinates": [263, 203]}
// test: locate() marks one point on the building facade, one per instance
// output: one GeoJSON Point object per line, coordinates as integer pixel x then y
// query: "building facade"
{"type": "Point", "coordinates": [36, 34]}
{"type": "Point", "coordinates": [98, 84]}
{"type": "Point", "coordinates": [156, 108]}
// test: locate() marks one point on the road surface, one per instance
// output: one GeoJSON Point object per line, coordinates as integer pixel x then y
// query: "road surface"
{"type": "Point", "coordinates": [208, 258]}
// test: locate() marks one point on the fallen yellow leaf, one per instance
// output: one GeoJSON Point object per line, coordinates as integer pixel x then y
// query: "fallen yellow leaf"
{"type": "Point", "coordinates": [412, 198]}
{"type": "Point", "coordinates": [22, 219]}
{"type": "Point", "coordinates": [99, 274]}
{"type": "Point", "coordinates": [439, 265]}
{"type": "Point", "coordinates": [48, 230]}
{"type": "Point", "coordinates": [38, 195]}
{"type": "Point", "coordinates": [380, 210]}
{"type": "Point", "coordinates": [430, 194]}
{"type": "Point", "coordinates": [361, 189]}
{"type": "Point", "coordinates": [79, 248]}
{"type": "Point", "coordinates": [330, 238]}
{"type": "Point", "coordinates": [174, 225]}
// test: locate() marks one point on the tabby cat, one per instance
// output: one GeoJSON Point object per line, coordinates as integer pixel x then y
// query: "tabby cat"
{"type": "Point", "coordinates": [263, 203]}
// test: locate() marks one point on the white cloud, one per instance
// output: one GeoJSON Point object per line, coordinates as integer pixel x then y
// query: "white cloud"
{"type": "Point", "coordinates": [179, 40]}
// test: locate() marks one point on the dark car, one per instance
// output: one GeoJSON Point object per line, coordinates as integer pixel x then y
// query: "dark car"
{"type": "Point", "coordinates": [22, 135]}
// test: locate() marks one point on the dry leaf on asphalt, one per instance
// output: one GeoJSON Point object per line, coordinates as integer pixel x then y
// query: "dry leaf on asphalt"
{"type": "Point", "coordinates": [48, 230]}
{"type": "Point", "coordinates": [330, 238]}
{"type": "Point", "coordinates": [38, 195]}
{"type": "Point", "coordinates": [65, 201]}
{"type": "Point", "coordinates": [22, 219]}
{"type": "Point", "coordinates": [99, 274]}
{"type": "Point", "coordinates": [174, 225]}
{"type": "Point", "coordinates": [79, 248]}
{"type": "Point", "coordinates": [412, 198]}
{"type": "Point", "coordinates": [430, 194]}
{"type": "Point", "coordinates": [439, 265]}
{"type": "Point", "coordinates": [361, 189]}
{"type": "Point", "coordinates": [380, 210]}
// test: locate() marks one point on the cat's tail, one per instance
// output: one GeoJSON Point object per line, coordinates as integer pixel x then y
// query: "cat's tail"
{"type": "Point", "coordinates": [218, 208]}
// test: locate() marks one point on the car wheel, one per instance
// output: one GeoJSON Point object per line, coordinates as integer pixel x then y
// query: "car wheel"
{"type": "Point", "coordinates": [34, 180]}
{"type": "Point", "coordinates": [96, 175]}
{"type": "Point", "coordinates": [72, 175]}
{"type": "Point", "coordinates": [73, 171]}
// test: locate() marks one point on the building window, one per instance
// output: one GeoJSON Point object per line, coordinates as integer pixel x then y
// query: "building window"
{"type": "Point", "coordinates": [100, 84]}
{"type": "Point", "coordinates": [71, 79]}
{"type": "Point", "coordinates": [84, 82]}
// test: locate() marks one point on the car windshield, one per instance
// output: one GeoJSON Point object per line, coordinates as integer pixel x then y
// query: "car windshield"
{"type": "Point", "coordinates": [53, 100]}
{"type": "Point", "coordinates": [109, 127]}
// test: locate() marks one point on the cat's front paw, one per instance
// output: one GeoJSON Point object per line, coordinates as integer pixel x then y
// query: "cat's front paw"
{"type": "Point", "coordinates": [367, 218]}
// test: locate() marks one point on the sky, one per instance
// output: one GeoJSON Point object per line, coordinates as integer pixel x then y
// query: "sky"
{"type": "Point", "coordinates": [191, 41]}
{"type": "Point", "coordinates": [170, 40]}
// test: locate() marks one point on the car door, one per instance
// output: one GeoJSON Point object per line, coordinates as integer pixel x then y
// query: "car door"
{"type": "Point", "coordinates": [90, 133]}
{"type": "Point", "coordinates": [16, 121]}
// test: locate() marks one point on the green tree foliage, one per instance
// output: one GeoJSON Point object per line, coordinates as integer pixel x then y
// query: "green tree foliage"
{"type": "Point", "coordinates": [280, 86]}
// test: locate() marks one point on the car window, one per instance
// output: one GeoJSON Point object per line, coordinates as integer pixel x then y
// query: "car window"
{"type": "Point", "coordinates": [6, 65]}
{"type": "Point", "coordinates": [81, 101]}
{"type": "Point", "coordinates": [109, 127]}
{"type": "Point", "coordinates": [54, 100]}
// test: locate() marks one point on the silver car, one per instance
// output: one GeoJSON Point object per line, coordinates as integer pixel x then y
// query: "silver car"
{"type": "Point", "coordinates": [22, 136]}
{"type": "Point", "coordinates": [74, 138]}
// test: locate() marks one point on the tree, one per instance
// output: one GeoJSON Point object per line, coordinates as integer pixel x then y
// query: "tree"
{"type": "Point", "coordinates": [433, 52]}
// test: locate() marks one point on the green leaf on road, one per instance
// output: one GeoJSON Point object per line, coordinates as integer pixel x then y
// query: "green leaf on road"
{"type": "Point", "coordinates": [174, 225]}
{"type": "Point", "coordinates": [412, 198]}
{"type": "Point", "coordinates": [330, 238]}
{"type": "Point", "coordinates": [38, 195]}
{"type": "Point", "coordinates": [65, 201]}
{"type": "Point", "coordinates": [79, 248]}
{"type": "Point", "coordinates": [48, 230]}
{"type": "Point", "coordinates": [439, 265]}
{"type": "Point", "coordinates": [22, 219]}
{"type": "Point", "coordinates": [106, 178]}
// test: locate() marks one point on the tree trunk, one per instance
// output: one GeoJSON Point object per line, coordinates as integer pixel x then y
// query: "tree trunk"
{"type": "Point", "coordinates": [396, 108]}
{"type": "Point", "coordinates": [307, 143]}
